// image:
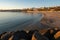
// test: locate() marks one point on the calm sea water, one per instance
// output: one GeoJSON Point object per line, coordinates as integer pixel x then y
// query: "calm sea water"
{"type": "Point", "coordinates": [9, 20]}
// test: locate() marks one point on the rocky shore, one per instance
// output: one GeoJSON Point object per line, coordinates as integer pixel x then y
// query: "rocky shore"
{"type": "Point", "coordinates": [50, 34]}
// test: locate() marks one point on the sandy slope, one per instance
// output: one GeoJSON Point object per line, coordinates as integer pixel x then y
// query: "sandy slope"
{"type": "Point", "coordinates": [53, 16]}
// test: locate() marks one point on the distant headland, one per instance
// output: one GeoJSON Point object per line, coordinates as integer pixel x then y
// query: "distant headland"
{"type": "Point", "coordinates": [57, 8]}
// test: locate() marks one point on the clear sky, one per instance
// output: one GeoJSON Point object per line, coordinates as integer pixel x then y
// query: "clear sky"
{"type": "Point", "coordinates": [19, 4]}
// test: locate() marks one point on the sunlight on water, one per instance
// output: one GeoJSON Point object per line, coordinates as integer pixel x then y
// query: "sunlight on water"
{"type": "Point", "coordinates": [16, 20]}
{"type": "Point", "coordinates": [8, 16]}
{"type": "Point", "coordinates": [11, 19]}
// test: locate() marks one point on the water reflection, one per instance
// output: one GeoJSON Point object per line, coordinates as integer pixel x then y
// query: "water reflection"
{"type": "Point", "coordinates": [10, 20]}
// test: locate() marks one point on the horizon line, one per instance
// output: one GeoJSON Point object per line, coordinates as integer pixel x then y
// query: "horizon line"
{"type": "Point", "coordinates": [25, 8]}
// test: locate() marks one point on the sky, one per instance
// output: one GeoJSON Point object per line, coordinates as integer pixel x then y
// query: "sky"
{"type": "Point", "coordinates": [20, 4]}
